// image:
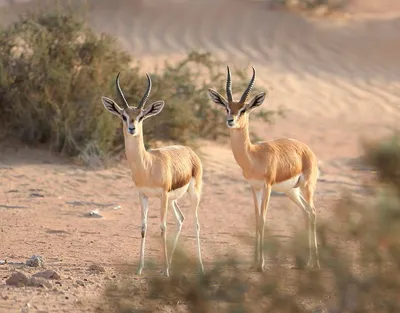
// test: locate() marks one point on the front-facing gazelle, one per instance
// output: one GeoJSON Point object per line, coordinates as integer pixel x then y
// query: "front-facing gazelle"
{"type": "Point", "coordinates": [166, 173]}
{"type": "Point", "coordinates": [283, 165]}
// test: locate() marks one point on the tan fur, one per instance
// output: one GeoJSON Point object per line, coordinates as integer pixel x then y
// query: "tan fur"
{"type": "Point", "coordinates": [273, 161]}
{"type": "Point", "coordinates": [168, 168]}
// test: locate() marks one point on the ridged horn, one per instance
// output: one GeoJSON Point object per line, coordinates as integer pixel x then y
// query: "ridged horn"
{"type": "Point", "coordinates": [229, 85]}
{"type": "Point", "coordinates": [120, 93]}
{"type": "Point", "coordinates": [146, 94]}
{"type": "Point", "coordinates": [249, 87]}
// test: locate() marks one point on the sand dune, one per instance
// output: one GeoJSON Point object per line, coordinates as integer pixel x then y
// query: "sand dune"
{"type": "Point", "coordinates": [339, 80]}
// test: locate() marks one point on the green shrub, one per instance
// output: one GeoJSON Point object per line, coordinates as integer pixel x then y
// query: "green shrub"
{"type": "Point", "coordinates": [359, 248]}
{"type": "Point", "coordinates": [54, 70]}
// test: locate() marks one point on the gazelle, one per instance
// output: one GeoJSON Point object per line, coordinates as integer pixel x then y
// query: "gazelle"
{"type": "Point", "coordinates": [166, 173]}
{"type": "Point", "coordinates": [283, 165]}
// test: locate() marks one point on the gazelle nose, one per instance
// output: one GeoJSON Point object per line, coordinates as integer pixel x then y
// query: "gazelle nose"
{"type": "Point", "coordinates": [229, 122]}
{"type": "Point", "coordinates": [131, 130]}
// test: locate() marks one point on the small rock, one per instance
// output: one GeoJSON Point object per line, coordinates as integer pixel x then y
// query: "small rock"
{"type": "Point", "coordinates": [17, 279]}
{"type": "Point", "coordinates": [40, 282]}
{"type": "Point", "coordinates": [35, 194]}
{"type": "Point", "coordinates": [35, 261]}
{"type": "Point", "coordinates": [49, 274]}
{"type": "Point", "coordinates": [95, 214]}
{"type": "Point", "coordinates": [80, 282]}
{"type": "Point", "coordinates": [97, 268]}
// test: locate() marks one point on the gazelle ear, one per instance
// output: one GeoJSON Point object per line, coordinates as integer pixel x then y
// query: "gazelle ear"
{"type": "Point", "coordinates": [217, 98]}
{"type": "Point", "coordinates": [111, 106]}
{"type": "Point", "coordinates": [256, 101]}
{"type": "Point", "coordinates": [153, 109]}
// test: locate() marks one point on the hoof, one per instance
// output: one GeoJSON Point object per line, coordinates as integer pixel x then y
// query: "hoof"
{"type": "Point", "coordinates": [165, 272]}
{"type": "Point", "coordinates": [312, 265]}
{"type": "Point", "coordinates": [139, 271]}
{"type": "Point", "coordinates": [261, 269]}
{"type": "Point", "coordinates": [201, 271]}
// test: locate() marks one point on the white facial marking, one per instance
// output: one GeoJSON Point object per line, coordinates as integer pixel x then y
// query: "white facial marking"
{"type": "Point", "coordinates": [140, 116]}
{"type": "Point", "coordinates": [129, 125]}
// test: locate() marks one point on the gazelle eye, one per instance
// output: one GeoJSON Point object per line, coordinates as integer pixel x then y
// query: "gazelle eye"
{"type": "Point", "coordinates": [124, 118]}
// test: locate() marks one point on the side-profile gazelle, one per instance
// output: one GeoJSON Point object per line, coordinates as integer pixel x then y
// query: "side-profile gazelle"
{"type": "Point", "coordinates": [166, 173]}
{"type": "Point", "coordinates": [283, 165]}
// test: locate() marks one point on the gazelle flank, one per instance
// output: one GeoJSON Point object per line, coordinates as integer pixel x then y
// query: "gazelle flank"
{"type": "Point", "coordinates": [284, 165]}
{"type": "Point", "coordinates": [166, 173]}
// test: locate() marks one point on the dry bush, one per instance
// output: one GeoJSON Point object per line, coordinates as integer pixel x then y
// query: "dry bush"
{"type": "Point", "coordinates": [359, 249]}
{"type": "Point", "coordinates": [54, 70]}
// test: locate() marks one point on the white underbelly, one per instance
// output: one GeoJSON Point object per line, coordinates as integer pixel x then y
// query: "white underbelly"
{"type": "Point", "coordinates": [157, 192]}
{"type": "Point", "coordinates": [283, 186]}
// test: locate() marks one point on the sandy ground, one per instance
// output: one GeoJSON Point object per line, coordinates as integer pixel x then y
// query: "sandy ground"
{"type": "Point", "coordinates": [339, 80]}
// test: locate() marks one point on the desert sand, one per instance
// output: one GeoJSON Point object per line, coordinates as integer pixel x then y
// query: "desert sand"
{"type": "Point", "coordinates": [337, 78]}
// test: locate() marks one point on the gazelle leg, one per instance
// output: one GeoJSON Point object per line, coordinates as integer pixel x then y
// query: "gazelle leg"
{"type": "Point", "coordinates": [295, 196]}
{"type": "Point", "coordinates": [144, 209]}
{"type": "Point", "coordinates": [308, 201]}
{"type": "Point", "coordinates": [163, 226]}
{"type": "Point", "coordinates": [196, 201]}
{"type": "Point", "coordinates": [257, 199]}
{"type": "Point", "coordinates": [264, 207]}
{"type": "Point", "coordinates": [179, 222]}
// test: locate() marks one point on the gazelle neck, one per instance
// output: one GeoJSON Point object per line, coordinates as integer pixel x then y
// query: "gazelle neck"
{"type": "Point", "coordinates": [241, 144]}
{"type": "Point", "coordinates": [135, 150]}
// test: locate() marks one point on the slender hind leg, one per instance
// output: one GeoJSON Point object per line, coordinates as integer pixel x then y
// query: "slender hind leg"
{"type": "Point", "coordinates": [163, 226]}
{"type": "Point", "coordinates": [266, 193]}
{"type": "Point", "coordinates": [307, 198]}
{"type": "Point", "coordinates": [179, 222]}
{"type": "Point", "coordinates": [195, 198]}
{"type": "Point", "coordinates": [197, 225]}
{"type": "Point", "coordinates": [295, 196]}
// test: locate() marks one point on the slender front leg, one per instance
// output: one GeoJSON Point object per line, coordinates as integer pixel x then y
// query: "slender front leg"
{"type": "Point", "coordinates": [263, 216]}
{"type": "Point", "coordinates": [257, 206]}
{"type": "Point", "coordinates": [144, 209]}
{"type": "Point", "coordinates": [163, 226]}
{"type": "Point", "coordinates": [179, 222]}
